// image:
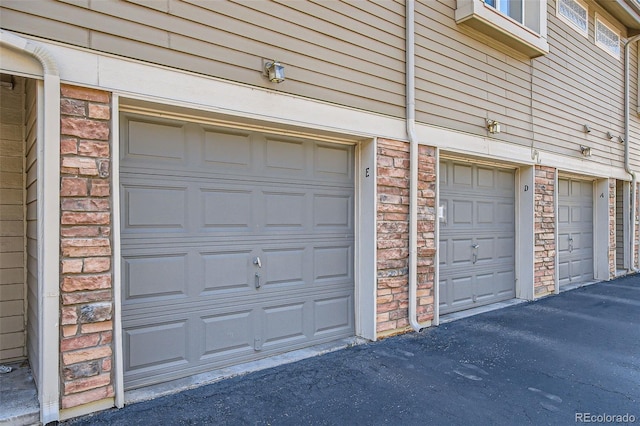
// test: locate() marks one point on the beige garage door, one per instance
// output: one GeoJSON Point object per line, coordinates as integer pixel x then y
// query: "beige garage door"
{"type": "Point", "coordinates": [235, 246]}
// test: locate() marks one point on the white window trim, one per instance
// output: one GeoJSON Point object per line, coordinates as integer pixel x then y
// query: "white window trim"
{"type": "Point", "coordinates": [613, 29]}
{"type": "Point", "coordinates": [566, 20]}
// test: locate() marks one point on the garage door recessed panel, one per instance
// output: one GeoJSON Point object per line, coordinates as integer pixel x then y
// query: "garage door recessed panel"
{"type": "Point", "coordinates": [462, 212]}
{"type": "Point", "coordinates": [486, 212]}
{"type": "Point", "coordinates": [332, 314]}
{"type": "Point", "coordinates": [485, 177]}
{"type": "Point", "coordinates": [331, 263]}
{"type": "Point", "coordinates": [284, 210]}
{"type": "Point", "coordinates": [462, 174]}
{"type": "Point", "coordinates": [228, 333]}
{"type": "Point", "coordinates": [462, 250]}
{"type": "Point", "coordinates": [154, 207]}
{"type": "Point", "coordinates": [334, 161]}
{"type": "Point", "coordinates": [155, 276]}
{"type": "Point", "coordinates": [288, 155]}
{"type": "Point", "coordinates": [332, 211]}
{"type": "Point", "coordinates": [284, 323]}
{"type": "Point", "coordinates": [227, 150]}
{"type": "Point", "coordinates": [226, 210]}
{"type": "Point", "coordinates": [225, 271]}
{"type": "Point", "coordinates": [154, 142]}
{"type": "Point", "coordinates": [158, 346]}
{"type": "Point", "coordinates": [284, 266]}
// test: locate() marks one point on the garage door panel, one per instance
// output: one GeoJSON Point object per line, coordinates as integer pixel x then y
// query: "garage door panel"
{"type": "Point", "coordinates": [286, 158]}
{"type": "Point", "coordinates": [228, 334]}
{"type": "Point", "coordinates": [226, 210]}
{"type": "Point", "coordinates": [227, 151]}
{"type": "Point", "coordinates": [284, 266]}
{"type": "Point", "coordinates": [461, 290]}
{"type": "Point", "coordinates": [563, 214]}
{"type": "Point", "coordinates": [154, 207]}
{"type": "Point", "coordinates": [284, 209]}
{"type": "Point", "coordinates": [485, 212]}
{"type": "Point", "coordinates": [462, 175]}
{"type": "Point", "coordinates": [333, 211]}
{"type": "Point", "coordinates": [157, 346]}
{"type": "Point", "coordinates": [505, 214]}
{"type": "Point", "coordinates": [333, 315]}
{"type": "Point", "coordinates": [154, 142]}
{"type": "Point", "coordinates": [461, 251]}
{"type": "Point", "coordinates": [485, 177]}
{"type": "Point", "coordinates": [333, 162]}
{"type": "Point", "coordinates": [504, 248]}
{"type": "Point", "coordinates": [153, 277]}
{"type": "Point", "coordinates": [332, 263]}
{"type": "Point", "coordinates": [283, 323]}
{"type": "Point", "coordinates": [225, 271]}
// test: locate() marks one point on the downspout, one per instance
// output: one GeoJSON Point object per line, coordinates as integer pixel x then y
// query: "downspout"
{"type": "Point", "coordinates": [627, 166]}
{"type": "Point", "coordinates": [413, 165]}
{"type": "Point", "coordinates": [48, 231]}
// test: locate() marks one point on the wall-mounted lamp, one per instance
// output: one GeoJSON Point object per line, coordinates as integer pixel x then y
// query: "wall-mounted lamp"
{"type": "Point", "coordinates": [585, 151]}
{"type": "Point", "coordinates": [587, 129]}
{"type": "Point", "coordinates": [493, 126]}
{"type": "Point", "coordinates": [610, 135]}
{"type": "Point", "coordinates": [274, 71]}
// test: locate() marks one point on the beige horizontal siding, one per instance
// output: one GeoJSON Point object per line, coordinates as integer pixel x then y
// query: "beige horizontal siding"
{"type": "Point", "coordinates": [350, 53]}
{"type": "Point", "coordinates": [12, 222]}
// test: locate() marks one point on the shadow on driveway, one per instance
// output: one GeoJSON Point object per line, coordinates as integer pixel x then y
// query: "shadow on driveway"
{"type": "Point", "coordinates": [545, 362]}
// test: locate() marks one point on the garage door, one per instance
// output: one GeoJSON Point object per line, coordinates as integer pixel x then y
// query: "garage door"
{"type": "Point", "coordinates": [477, 235]}
{"type": "Point", "coordinates": [235, 246]}
{"type": "Point", "coordinates": [575, 231]}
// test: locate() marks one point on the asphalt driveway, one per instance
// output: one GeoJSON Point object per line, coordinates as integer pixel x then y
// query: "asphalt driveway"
{"type": "Point", "coordinates": [575, 356]}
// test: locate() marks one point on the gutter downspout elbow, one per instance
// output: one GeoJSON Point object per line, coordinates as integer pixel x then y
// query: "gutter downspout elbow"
{"type": "Point", "coordinates": [627, 165]}
{"type": "Point", "coordinates": [413, 165]}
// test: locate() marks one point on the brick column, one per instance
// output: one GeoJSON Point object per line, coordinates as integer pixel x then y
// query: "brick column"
{"type": "Point", "coordinates": [86, 267]}
{"type": "Point", "coordinates": [393, 235]}
{"type": "Point", "coordinates": [612, 228]}
{"type": "Point", "coordinates": [427, 217]}
{"type": "Point", "coordinates": [545, 231]}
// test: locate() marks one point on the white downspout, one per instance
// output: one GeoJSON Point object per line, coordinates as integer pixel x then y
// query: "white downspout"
{"type": "Point", "coordinates": [48, 227]}
{"type": "Point", "coordinates": [627, 166]}
{"type": "Point", "coordinates": [413, 165]}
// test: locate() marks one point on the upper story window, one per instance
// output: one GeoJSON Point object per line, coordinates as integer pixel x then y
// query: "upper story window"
{"type": "Point", "coordinates": [607, 37]}
{"type": "Point", "coordinates": [519, 24]}
{"type": "Point", "coordinates": [575, 13]}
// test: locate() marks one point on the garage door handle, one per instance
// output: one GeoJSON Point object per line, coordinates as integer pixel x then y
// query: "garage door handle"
{"type": "Point", "coordinates": [257, 281]}
{"type": "Point", "coordinates": [570, 244]}
{"type": "Point", "coordinates": [257, 261]}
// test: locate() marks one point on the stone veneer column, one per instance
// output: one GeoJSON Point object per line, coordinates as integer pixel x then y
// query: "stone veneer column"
{"type": "Point", "coordinates": [393, 235]}
{"type": "Point", "coordinates": [612, 228]}
{"type": "Point", "coordinates": [545, 231]}
{"type": "Point", "coordinates": [86, 265]}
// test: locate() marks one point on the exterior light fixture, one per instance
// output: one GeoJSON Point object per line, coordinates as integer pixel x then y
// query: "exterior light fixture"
{"type": "Point", "coordinates": [587, 129]}
{"type": "Point", "coordinates": [585, 151]}
{"type": "Point", "coordinates": [610, 135]}
{"type": "Point", "coordinates": [274, 71]}
{"type": "Point", "coordinates": [493, 126]}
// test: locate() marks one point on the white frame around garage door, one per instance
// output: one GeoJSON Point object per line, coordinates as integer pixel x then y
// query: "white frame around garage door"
{"type": "Point", "coordinates": [365, 222]}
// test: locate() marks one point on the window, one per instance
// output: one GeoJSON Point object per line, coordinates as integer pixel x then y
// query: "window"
{"type": "Point", "coordinates": [607, 37]}
{"type": "Point", "coordinates": [511, 8]}
{"type": "Point", "coordinates": [575, 13]}
{"type": "Point", "coordinates": [518, 24]}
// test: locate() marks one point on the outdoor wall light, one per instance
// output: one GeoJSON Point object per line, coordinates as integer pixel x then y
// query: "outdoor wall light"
{"type": "Point", "coordinates": [587, 129]}
{"type": "Point", "coordinates": [585, 151]}
{"type": "Point", "coordinates": [274, 71]}
{"type": "Point", "coordinates": [493, 126]}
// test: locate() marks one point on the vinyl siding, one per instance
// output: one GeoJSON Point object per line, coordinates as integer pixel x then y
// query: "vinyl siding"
{"type": "Point", "coordinates": [463, 78]}
{"type": "Point", "coordinates": [349, 53]}
{"type": "Point", "coordinates": [12, 222]}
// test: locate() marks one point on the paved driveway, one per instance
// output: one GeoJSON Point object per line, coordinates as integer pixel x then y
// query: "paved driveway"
{"type": "Point", "coordinates": [546, 362]}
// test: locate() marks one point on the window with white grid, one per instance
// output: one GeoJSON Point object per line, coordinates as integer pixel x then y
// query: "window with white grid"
{"type": "Point", "coordinates": [575, 13]}
{"type": "Point", "coordinates": [607, 37]}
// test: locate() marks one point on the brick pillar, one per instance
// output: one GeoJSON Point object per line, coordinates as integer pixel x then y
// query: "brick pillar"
{"type": "Point", "coordinates": [86, 265]}
{"type": "Point", "coordinates": [393, 235]}
{"type": "Point", "coordinates": [612, 228]}
{"type": "Point", "coordinates": [427, 217]}
{"type": "Point", "coordinates": [545, 231]}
